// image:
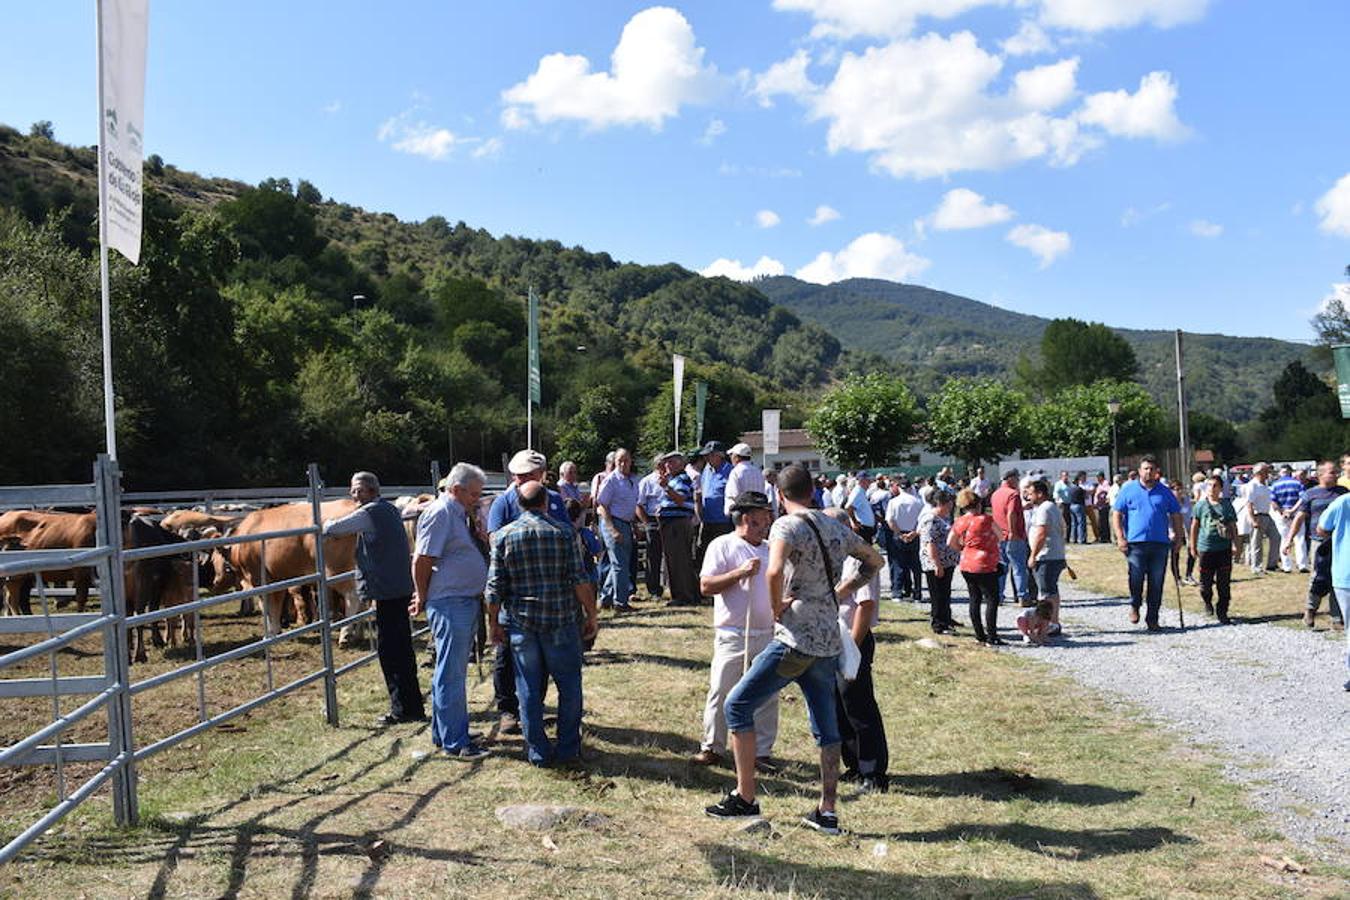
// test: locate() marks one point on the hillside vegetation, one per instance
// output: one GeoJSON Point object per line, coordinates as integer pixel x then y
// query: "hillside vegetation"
{"type": "Point", "coordinates": [932, 335]}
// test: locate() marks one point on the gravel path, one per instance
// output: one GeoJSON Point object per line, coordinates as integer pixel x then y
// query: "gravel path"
{"type": "Point", "coordinates": [1271, 696]}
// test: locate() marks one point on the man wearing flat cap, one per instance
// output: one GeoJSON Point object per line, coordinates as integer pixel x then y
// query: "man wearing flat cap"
{"type": "Point", "coordinates": [676, 513]}
{"type": "Point", "coordinates": [525, 467]}
{"type": "Point", "coordinates": [713, 509]}
{"type": "Point", "coordinates": [734, 572]}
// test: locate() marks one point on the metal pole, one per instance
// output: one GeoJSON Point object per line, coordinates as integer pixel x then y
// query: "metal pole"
{"type": "Point", "coordinates": [1183, 429]}
{"type": "Point", "coordinates": [330, 703]}
{"type": "Point", "coordinates": [1115, 452]}
{"type": "Point", "coordinates": [116, 650]}
{"type": "Point", "coordinates": [109, 422]}
{"type": "Point", "coordinates": [436, 474]}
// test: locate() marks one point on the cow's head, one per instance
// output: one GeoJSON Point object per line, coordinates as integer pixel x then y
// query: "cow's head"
{"type": "Point", "coordinates": [220, 572]}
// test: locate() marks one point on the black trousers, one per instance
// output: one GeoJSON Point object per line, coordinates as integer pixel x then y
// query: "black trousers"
{"type": "Point", "coordinates": [983, 588]}
{"type": "Point", "coordinates": [653, 533]}
{"type": "Point", "coordinates": [1216, 571]}
{"type": "Point", "coordinates": [393, 644]}
{"type": "Point", "coordinates": [864, 734]}
{"type": "Point", "coordinates": [676, 541]}
{"type": "Point", "coordinates": [911, 571]}
{"type": "Point", "coordinates": [939, 598]}
{"type": "Point", "coordinates": [707, 533]}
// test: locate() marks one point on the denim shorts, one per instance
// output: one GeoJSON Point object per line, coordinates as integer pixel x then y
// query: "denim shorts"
{"type": "Point", "coordinates": [1047, 576]}
{"type": "Point", "coordinates": [777, 666]}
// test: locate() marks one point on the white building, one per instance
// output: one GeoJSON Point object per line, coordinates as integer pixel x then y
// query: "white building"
{"type": "Point", "coordinates": [796, 446]}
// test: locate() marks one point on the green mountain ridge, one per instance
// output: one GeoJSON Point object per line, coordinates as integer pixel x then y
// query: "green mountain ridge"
{"type": "Point", "coordinates": [931, 335]}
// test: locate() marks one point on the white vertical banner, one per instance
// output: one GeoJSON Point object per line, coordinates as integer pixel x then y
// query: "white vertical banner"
{"type": "Point", "coordinates": [679, 394]}
{"type": "Point", "coordinates": [769, 423]}
{"type": "Point", "coordinates": [121, 62]}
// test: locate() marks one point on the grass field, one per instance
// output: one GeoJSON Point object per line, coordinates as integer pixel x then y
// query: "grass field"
{"type": "Point", "coordinates": [1274, 597]}
{"type": "Point", "coordinates": [1007, 782]}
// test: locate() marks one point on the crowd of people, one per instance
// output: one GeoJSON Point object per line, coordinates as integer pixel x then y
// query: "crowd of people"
{"type": "Point", "coordinates": [790, 565]}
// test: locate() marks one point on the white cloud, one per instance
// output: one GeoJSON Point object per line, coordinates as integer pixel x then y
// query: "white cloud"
{"type": "Point", "coordinates": [922, 108]}
{"type": "Point", "coordinates": [1339, 291]}
{"type": "Point", "coordinates": [1100, 15]}
{"type": "Point", "coordinates": [963, 208]}
{"type": "Point", "coordinates": [732, 170]}
{"type": "Point", "coordinates": [872, 255]}
{"type": "Point", "coordinates": [1030, 40]}
{"type": "Point", "coordinates": [1132, 216]}
{"type": "Point", "coordinates": [876, 18]}
{"type": "Point", "coordinates": [732, 268]}
{"type": "Point", "coordinates": [1148, 112]}
{"type": "Point", "coordinates": [418, 138]}
{"type": "Point", "coordinates": [1205, 229]}
{"type": "Point", "coordinates": [1046, 87]}
{"type": "Point", "coordinates": [786, 77]}
{"type": "Point", "coordinates": [488, 149]}
{"type": "Point", "coordinates": [767, 218]}
{"type": "Point", "coordinates": [656, 68]}
{"type": "Point", "coordinates": [1045, 244]}
{"type": "Point", "coordinates": [716, 128]}
{"type": "Point", "coordinates": [333, 107]}
{"type": "Point", "coordinates": [1333, 209]}
{"type": "Point", "coordinates": [822, 215]}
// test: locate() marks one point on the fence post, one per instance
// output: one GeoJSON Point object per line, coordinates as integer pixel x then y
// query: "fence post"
{"type": "Point", "coordinates": [436, 475]}
{"type": "Point", "coordinates": [330, 704]}
{"type": "Point", "coordinates": [116, 650]}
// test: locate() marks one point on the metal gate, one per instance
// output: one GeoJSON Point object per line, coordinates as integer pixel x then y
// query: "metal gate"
{"type": "Point", "coordinates": [114, 690]}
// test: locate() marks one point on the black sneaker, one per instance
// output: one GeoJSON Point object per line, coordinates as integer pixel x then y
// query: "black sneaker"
{"type": "Point", "coordinates": [732, 807]}
{"type": "Point", "coordinates": [825, 823]}
{"type": "Point", "coordinates": [469, 751]}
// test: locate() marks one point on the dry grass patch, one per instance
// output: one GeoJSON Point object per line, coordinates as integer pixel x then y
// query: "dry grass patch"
{"type": "Point", "coordinates": [1008, 781]}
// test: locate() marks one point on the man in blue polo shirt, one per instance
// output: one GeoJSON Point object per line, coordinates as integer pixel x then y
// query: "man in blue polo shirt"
{"type": "Point", "coordinates": [716, 521]}
{"type": "Point", "coordinates": [1147, 519]}
{"type": "Point", "coordinates": [676, 515]}
{"type": "Point", "coordinates": [1335, 525]}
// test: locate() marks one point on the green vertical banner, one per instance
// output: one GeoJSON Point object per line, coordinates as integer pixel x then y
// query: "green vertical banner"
{"type": "Point", "coordinates": [700, 407]}
{"type": "Point", "coordinates": [1341, 354]}
{"type": "Point", "coordinates": [536, 382]}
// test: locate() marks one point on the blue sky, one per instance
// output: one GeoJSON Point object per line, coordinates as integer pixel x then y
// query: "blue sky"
{"type": "Point", "coordinates": [1147, 163]}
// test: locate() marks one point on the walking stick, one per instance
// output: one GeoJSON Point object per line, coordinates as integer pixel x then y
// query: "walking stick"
{"type": "Point", "coordinates": [1181, 614]}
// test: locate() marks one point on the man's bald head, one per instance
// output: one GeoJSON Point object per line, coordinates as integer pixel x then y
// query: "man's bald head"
{"type": "Point", "coordinates": [533, 495]}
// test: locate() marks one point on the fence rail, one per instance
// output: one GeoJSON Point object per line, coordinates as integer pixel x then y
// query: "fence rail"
{"type": "Point", "coordinates": [113, 691]}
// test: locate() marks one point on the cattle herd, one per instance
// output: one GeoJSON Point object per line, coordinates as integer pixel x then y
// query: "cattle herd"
{"type": "Point", "coordinates": [161, 582]}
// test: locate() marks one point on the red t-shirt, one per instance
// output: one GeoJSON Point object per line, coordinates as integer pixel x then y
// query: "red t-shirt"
{"type": "Point", "coordinates": [980, 553]}
{"type": "Point", "coordinates": [1007, 507]}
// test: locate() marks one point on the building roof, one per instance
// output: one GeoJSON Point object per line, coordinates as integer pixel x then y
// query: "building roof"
{"type": "Point", "coordinates": [788, 439]}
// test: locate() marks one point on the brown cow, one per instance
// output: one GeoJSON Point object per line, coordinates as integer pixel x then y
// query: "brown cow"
{"type": "Point", "coordinates": [48, 531]}
{"type": "Point", "coordinates": [289, 557]}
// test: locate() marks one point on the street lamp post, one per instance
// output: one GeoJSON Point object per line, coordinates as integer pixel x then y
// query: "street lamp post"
{"type": "Point", "coordinates": [1113, 407]}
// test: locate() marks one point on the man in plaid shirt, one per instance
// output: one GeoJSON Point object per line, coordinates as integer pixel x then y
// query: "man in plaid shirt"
{"type": "Point", "coordinates": [537, 595]}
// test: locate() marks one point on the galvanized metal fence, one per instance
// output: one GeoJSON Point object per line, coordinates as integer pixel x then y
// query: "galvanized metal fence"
{"type": "Point", "coordinates": [114, 690]}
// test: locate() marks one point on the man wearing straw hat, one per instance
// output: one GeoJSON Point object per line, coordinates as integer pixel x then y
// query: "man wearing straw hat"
{"type": "Point", "coordinates": [734, 572]}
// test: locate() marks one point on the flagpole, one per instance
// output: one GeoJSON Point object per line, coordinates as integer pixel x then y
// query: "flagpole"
{"type": "Point", "coordinates": [109, 421]}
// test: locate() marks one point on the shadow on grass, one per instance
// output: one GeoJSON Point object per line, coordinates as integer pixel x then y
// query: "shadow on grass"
{"type": "Point", "coordinates": [747, 870]}
{"type": "Point", "coordinates": [167, 841]}
{"type": "Point", "coordinates": [1002, 784]}
{"type": "Point", "coordinates": [1060, 843]}
{"type": "Point", "coordinates": [621, 657]}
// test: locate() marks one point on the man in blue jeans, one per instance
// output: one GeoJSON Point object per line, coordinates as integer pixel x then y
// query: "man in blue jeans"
{"type": "Point", "coordinates": [540, 604]}
{"type": "Point", "coordinates": [1147, 519]}
{"type": "Point", "coordinates": [616, 502]}
{"type": "Point", "coordinates": [1334, 525]}
{"type": "Point", "coordinates": [449, 572]}
{"type": "Point", "coordinates": [807, 550]}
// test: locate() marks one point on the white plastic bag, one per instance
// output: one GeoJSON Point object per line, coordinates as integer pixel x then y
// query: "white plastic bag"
{"type": "Point", "coordinates": [850, 658]}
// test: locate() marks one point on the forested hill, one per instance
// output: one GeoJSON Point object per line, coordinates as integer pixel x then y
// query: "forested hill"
{"type": "Point", "coordinates": [932, 335]}
{"type": "Point", "coordinates": [267, 326]}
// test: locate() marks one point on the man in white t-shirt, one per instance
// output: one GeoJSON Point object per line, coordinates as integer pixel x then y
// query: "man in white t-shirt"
{"type": "Point", "coordinates": [1265, 536]}
{"type": "Point", "coordinates": [839, 493]}
{"type": "Point", "coordinates": [745, 475]}
{"type": "Point", "coordinates": [902, 516]}
{"type": "Point", "coordinates": [734, 568]}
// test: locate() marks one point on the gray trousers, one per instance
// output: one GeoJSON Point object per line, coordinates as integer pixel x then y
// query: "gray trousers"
{"type": "Point", "coordinates": [1265, 536]}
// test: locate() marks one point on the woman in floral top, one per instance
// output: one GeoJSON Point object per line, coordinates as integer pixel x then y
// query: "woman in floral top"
{"type": "Point", "coordinates": [937, 559]}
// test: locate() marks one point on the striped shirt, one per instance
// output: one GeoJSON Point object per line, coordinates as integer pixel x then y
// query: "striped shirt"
{"type": "Point", "coordinates": [534, 569]}
{"type": "Point", "coordinates": [1286, 491]}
